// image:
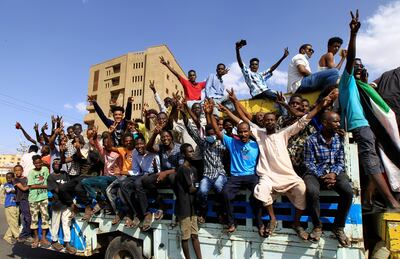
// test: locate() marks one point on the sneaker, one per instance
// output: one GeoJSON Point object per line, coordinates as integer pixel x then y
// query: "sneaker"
{"type": "Point", "coordinates": [57, 246]}
{"type": "Point", "coordinates": [70, 249]}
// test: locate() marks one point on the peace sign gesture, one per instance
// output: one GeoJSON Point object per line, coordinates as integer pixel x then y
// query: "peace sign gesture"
{"type": "Point", "coordinates": [355, 23]}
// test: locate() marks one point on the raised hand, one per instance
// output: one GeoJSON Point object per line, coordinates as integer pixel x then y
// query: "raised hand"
{"type": "Point", "coordinates": [113, 127]}
{"type": "Point", "coordinates": [225, 71]}
{"type": "Point", "coordinates": [231, 95]}
{"type": "Point", "coordinates": [163, 61]}
{"type": "Point", "coordinates": [239, 44]}
{"type": "Point", "coordinates": [343, 53]}
{"type": "Point", "coordinates": [36, 127]}
{"type": "Point", "coordinates": [354, 23]}
{"type": "Point", "coordinates": [54, 119]}
{"type": "Point", "coordinates": [45, 127]}
{"type": "Point", "coordinates": [158, 128]}
{"type": "Point", "coordinates": [151, 85]}
{"type": "Point", "coordinates": [91, 98]}
{"type": "Point", "coordinates": [286, 52]}
{"type": "Point", "coordinates": [208, 106]}
{"type": "Point", "coordinates": [131, 99]}
{"type": "Point", "coordinates": [280, 99]}
{"type": "Point", "coordinates": [222, 108]}
{"type": "Point", "coordinates": [18, 125]}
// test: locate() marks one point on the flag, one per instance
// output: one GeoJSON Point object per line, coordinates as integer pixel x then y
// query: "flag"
{"type": "Point", "coordinates": [382, 121]}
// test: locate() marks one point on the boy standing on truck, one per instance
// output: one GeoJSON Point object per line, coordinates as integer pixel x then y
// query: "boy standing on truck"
{"type": "Point", "coordinates": [186, 181]}
{"type": "Point", "coordinates": [11, 210]}
{"type": "Point", "coordinates": [38, 202]}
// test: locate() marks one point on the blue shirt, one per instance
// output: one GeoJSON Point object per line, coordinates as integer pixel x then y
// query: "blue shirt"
{"type": "Point", "coordinates": [244, 156]}
{"type": "Point", "coordinates": [256, 81]}
{"type": "Point", "coordinates": [350, 104]}
{"type": "Point", "coordinates": [321, 158]}
{"type": "Point", "coordinates": [145, 164]}
{"type": "Point", "coordinates": [10, 197]}
{"type": "Point", "coordinates": [214, 87]}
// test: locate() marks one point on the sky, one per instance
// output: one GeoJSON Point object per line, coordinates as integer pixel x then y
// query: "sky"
{"type": "Point", "coordinates": [47, 46]}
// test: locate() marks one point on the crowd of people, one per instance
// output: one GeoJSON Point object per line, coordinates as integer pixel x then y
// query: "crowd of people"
{"type": "Point", "coordinates": [190, 147]}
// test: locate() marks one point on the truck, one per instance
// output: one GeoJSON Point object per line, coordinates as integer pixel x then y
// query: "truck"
{"type": "Point", "coordinates": [98, 235]}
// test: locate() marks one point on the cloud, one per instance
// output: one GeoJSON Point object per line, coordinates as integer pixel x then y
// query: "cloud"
{"type": "Point", "coordinates": [81, 107]}
{"type": "Point", "coordinates": [68, 106]}
{"type": "Point", "coordinates": [234, 79]}
{"type": "Point", "coordinates": [377, 43]}
{"type": "Point", "coordinates": [85, 1]}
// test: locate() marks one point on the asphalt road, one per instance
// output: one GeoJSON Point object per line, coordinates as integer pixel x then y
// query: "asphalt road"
{"type": "Point", "coordinates": [26, 252]}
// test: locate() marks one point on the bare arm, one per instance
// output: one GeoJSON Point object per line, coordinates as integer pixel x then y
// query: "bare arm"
{"type": "Point", "coordinates": [239, 107]}
{"type": "Point", "coordinates": [275, 66]}
{"type": "Point", "coordinates": [21, 187]}
{"type": "Point", "coordinates": [303, 70]}
{"type": "Point", "coordinates": [36, 128]}
{"type": "Point", "coordinates": [208, 109]}
{"type": "Point", "coordinates": [238, 57]}
{"type": "Point", "coordinates": [351, 49]}
{"type": "Point", "coordinates": [26, 135]}
{"type": "Point", "coordinates": [165, 63]}
{"type": "Point", "coordinates": [229, 113]}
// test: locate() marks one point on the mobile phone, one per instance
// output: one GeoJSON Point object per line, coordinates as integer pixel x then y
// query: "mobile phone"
{"type": "Point", "coordinates": [243, 42]}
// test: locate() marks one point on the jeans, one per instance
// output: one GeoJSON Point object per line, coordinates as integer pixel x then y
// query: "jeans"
{"type": "Point", "coordinates": [342, 187]}
{"type": "Point", "coordinates": [205, 186]}
{"type": "Point", "coordinates": [113, 192]}
{"type": "Point", "coordinates": [225, 102]}
{"type": "Point", "coordinates": [26, 219]}
{"type": "Point", "coordinates": [128, 191]}
{"type": "Point", "coordinates": [231, 188]}
{"type": "Point", "coordinates": [92, 184]}
{"type": "Point", "coordinates": [319, 80]}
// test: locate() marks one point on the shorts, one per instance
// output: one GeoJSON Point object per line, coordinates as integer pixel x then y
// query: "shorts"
{"type": "Point", "coordinates": [189, 227]}
{"type": "Point", "coordinates": [368, 158]}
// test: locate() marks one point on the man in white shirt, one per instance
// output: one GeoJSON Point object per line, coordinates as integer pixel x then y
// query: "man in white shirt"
{"type": "Point", "coordinates": [26, 160]}
{"type": "Point", "coordinates": [300, 77]}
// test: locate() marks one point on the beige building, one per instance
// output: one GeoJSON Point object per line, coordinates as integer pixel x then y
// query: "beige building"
{"type": "Point", "coordinates": [8, 160]}
{"type": "Point", "coordinates": [113, 81]}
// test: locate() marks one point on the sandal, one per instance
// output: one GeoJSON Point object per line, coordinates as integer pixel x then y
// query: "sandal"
{"type": "Point", "coordinates": [341, 237]}
{"type": "Point", "coordinates": [45, 244]}
{"type": "Point", "coordinates": [129, 223]}
{"type": "Point", "coordinates": [270, 229]}
{"type": "Point", "coordinates": [300, 232]}
{"type": "Point", "coordinates": [148, 220]}
{"type": "Point", "coordinates": [231, 229]}
{"type": "Point", "coordinates": [158, 215]}
{"type": "Point", "coordinates": [201, 220]}
{"type": "Point", "coordinates": [116, 220]}
{"type": "Point", "coordinates": [35, 244]}
{"type": "Point", "coordinates": [96, 208]}
{"type": "Point", "coordinates": [261, 231]}
{"type": "Point", "coordinates": [316, 234]}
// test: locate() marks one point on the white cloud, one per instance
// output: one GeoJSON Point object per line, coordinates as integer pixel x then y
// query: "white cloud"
{"type": "Point", "coordinates": [81, 107]}
{"type": "Point", "coordinates": [68, 106]}
{"type": "Point", "coordinates": [377, 43]}
{"type": "Point", "coordinates": [85, 1]}
{"type": "Point", "coordinates": [234, 79]}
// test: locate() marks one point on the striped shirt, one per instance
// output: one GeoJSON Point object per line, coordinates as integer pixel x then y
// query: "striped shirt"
{"type": "Point", "coordinates": [213, 153]}
{"type": "Point", "coordinates": [256, 81]}
{"type": "Point", "coordinates": [321, 158]}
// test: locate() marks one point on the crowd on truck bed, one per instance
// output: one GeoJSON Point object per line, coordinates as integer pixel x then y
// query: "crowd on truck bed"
{"type": "Point", "coordinates": [189, 147]}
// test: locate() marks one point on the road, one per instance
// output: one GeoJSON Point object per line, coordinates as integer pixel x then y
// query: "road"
{"type": "Point", "coordinates": [26, 252]}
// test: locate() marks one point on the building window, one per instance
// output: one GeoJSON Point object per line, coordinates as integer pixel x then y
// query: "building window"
{"type": "Point", "coordinates": [116, 68]}
{"type": "Point", "coordinates": [176, 87]}
{"type": "Point", "coordinates": [141, 78]}
{"type": "Point", "coordinates": [167, 77]}
{"type": "Point", "coordinates": [96, 80]}
{"type": "Point", "coordinates": [140, 92]}
{"type": "Point", "coordinates": [167, 91]}
{"type": "Point", "coordinates": [115, 81]}
{"type": "Point", "coordinates": [142, 64]}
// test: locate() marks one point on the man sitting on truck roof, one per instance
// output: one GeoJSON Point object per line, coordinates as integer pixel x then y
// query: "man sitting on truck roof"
{"type": "Point", "coordinates": [257, 81]}
{"type": "Point", "coordinates": [300, 77]}
{"type": "Point", "coordinates": [327, 60]}
{"type": "Point", "coordinates": [324, 160]}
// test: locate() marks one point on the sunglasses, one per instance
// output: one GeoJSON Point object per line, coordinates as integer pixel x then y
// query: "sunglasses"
{"type": "Point", "coordinates": [310, 50]}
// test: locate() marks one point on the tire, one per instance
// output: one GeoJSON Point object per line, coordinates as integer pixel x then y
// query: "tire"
{"type": "Point", "coordinates": [123, 248]}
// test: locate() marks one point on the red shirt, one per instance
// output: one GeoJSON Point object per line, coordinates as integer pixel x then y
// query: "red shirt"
{"type": "Point", "coordinates": [192, 91]}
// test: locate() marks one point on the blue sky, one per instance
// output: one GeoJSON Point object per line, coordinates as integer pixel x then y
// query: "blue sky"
{"type": "Point", "coordinates": [47, 47]}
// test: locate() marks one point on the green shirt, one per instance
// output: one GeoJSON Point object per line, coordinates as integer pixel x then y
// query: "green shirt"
{"type": "Point", "coordinates": [38, 178]}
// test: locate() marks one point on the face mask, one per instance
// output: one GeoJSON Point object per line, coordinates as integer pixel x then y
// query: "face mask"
{"type": "Point", "coordinates": [210, 139]}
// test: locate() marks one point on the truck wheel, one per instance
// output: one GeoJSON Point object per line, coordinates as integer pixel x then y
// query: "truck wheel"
{"type": "Point", "coordinates": [123, 248]}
